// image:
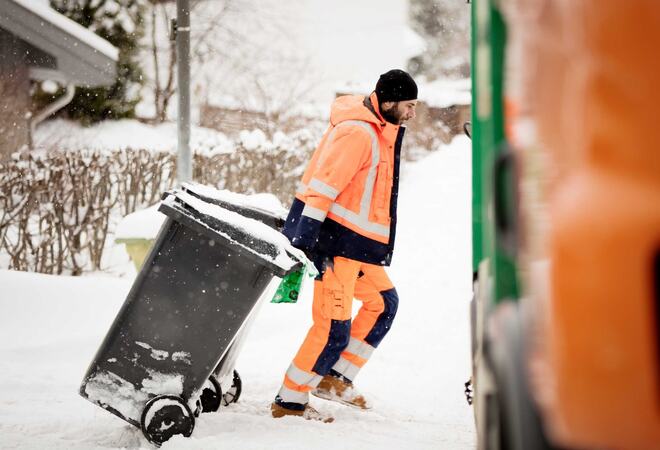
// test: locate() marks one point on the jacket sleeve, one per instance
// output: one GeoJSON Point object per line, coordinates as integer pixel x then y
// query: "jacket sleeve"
{"type": "Point", "coordinates": [337, 164]}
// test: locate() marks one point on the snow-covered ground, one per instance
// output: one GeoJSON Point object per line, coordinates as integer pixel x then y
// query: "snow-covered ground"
{"type": "Point", "coordinates": [127, 133]}
{"type": "Point", "coordinates": [50, 328]}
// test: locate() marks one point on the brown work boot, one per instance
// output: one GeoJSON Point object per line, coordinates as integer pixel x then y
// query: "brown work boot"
{"type": "Point", "coordinates": [308, 413]}
{"type": "Point", "coordinates": [341, 391]}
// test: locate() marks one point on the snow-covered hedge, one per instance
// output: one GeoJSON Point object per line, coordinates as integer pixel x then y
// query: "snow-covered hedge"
{"type": "Point", "coordinates": [258, 164]}
{"type": "Point", "coordinates": [58, 209]}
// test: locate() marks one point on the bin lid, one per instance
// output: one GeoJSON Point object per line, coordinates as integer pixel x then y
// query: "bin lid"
{"type": "Point", "coordinates": [256, 239]}
{"type": "Point", "coordinates": [263, 207]}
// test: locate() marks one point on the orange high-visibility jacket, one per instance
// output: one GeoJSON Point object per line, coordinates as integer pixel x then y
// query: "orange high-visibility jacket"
{"type": "Point", "coordinates": [346, 202]}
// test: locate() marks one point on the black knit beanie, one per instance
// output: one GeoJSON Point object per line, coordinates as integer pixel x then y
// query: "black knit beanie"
{"type": "Point", "coordinates": [396, 86]}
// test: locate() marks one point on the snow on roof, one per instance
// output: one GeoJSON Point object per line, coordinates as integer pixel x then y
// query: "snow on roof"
{"type": "Point", "coordinates": [69, 26]}
{"type": "Point", "coordinates": [442, 93]}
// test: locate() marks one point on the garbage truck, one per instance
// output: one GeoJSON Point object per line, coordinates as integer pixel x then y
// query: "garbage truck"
{"type": "Point", "coordinates": [565, 316]}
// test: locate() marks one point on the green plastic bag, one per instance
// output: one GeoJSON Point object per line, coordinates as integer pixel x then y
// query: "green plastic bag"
{"type": "Point", "coordinates": [291, 285]}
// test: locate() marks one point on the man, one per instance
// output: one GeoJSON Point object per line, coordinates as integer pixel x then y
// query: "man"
{"type": "Point", "coordinates": [344, 218]}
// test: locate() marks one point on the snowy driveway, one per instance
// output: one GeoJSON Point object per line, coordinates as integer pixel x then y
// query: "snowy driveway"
{"type": "Point", "coordinates": [51, 327]}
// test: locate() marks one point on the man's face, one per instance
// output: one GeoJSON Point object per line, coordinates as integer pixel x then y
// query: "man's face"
{"type": "Point", "coordinates": [399, 112]}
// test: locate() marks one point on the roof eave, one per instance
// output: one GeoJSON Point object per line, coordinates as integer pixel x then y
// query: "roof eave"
{"type": "Point", "coordinates": [78, 61]}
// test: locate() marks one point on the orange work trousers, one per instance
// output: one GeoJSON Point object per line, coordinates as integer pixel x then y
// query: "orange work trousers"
{"type": "Point", "coordinates": [335, 343]}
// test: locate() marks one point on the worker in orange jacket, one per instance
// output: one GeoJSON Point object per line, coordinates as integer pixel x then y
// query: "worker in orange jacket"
{"type": "Point", "coordinates": [344, 218]}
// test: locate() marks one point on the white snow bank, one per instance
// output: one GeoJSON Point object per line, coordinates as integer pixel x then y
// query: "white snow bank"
{"type": "Point", "coordinates": [443, 93]}
{"type": "Point", "coordinates": [40, 309]}
{"type": "Point", "coordinates": [143, 224]}
{"type": "Point", "coordinates": [122, 134]}
{"type": "Point", "coordinates": [253, 139]}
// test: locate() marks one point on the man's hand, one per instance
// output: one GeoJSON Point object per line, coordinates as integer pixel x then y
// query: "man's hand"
{"type": "Point", "coordinates": [304, 245]}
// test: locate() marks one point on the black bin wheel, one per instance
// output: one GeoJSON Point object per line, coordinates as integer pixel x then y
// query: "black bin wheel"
{"type": "Point", "coordinates": [211, 397]}
{"type": "Point", "coordinates": [165, 416]}
{"type": "Point", "coordinates": [234, 392]}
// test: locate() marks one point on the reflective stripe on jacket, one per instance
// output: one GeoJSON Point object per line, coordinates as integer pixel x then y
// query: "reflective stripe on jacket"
{"type": "Point", "coordinates": [346, 202]}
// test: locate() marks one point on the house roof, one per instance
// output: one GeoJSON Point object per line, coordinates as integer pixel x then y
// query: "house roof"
{"type": "Point", "coordinates": [80, 56]}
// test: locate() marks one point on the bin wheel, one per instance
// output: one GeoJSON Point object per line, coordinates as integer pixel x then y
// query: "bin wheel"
{"type": "Point", "coordinates": [234, 392]}
{"type": "Point", "coordinates": [165, 416]}
{"type": "Point", "coordinates": [211, 397]}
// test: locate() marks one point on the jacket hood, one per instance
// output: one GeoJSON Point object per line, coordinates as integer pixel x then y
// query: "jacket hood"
{"type": "Point", "coordinates": [352, 107]}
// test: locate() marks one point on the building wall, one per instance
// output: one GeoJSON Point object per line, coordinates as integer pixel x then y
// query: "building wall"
{"type": "Point", "coordinates": [231, 120]}
{"type": "Point", "coordinates": [14, 96]}
{"type": "Point", "coordinates": [452, 118]}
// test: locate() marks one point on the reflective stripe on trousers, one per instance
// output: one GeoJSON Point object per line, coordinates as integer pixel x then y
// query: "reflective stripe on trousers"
{"type": "Point", "coordinates": [353, 358]}
{"type": "Point", "coordinates": [297, 384]}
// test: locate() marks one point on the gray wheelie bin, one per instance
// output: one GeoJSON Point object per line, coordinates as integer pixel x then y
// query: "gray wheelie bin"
{"type": "Point", "coordinates": [225, 384]}
{"type": "Point", "coordinates": [190, 307]}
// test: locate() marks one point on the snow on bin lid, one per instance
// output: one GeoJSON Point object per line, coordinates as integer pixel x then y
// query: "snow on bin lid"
{"type": "Point", "coordinates": [233, 226]}
{"type": "Point", "coordinates": [265, 202]}
{"type": "Point", "coordinates": [143, 224]}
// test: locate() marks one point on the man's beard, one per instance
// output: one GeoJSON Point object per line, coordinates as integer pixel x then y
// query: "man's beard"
{"type": "Point", "coordinates": [392, 115]}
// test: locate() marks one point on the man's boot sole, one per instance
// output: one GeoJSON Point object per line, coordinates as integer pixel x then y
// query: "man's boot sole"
{"type": "Point", "coordinates": [278, 412]}
{"type": "Point", "coordinates": [334, 398]}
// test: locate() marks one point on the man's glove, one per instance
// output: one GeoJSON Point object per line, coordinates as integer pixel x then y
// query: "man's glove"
{"type": "Point", "coordinates": [306, 247]}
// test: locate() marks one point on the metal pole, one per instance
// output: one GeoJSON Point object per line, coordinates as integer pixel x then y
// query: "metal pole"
{"type": "Point", "coordinates": [184, 163]}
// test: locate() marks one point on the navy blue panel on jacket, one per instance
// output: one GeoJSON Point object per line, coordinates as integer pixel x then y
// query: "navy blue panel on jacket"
{"type": "Point", "coordinates": [333, 239]}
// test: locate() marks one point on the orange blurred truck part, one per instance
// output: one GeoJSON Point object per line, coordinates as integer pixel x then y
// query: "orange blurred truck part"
{"type": "Point", "coordinates": [604, 240]}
